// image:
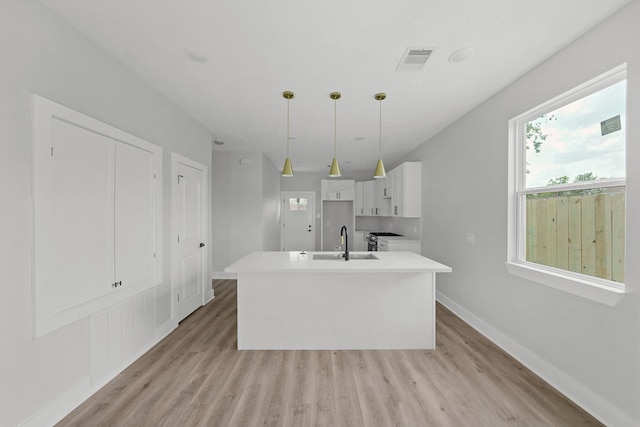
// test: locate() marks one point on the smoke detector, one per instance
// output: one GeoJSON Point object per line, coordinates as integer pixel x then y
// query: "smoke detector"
{"type": "Point", "coordinates": [415, 58]}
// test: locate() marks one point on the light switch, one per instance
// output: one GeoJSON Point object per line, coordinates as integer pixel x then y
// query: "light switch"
{"type": "Point", "coordinates": [471, 238]}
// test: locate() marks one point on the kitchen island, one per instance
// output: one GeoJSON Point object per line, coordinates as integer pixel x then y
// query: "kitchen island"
{"type": "Point", "coordinates": [293, 300]}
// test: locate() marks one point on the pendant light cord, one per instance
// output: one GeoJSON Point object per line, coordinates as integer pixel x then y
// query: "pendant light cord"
{"type": "Point", "coordinates": [287, 128]}
{"type": "Point", "coordinates": [335, 121]}
{"type": "Point", "coordinates": [380, 131]}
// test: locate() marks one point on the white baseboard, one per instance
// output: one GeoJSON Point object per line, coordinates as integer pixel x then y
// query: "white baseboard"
{"type": "Point", "coordinates": [223, 275]}
{"type": "Point", "coordinates": [600, 408]}
{"type": "Point", "coordinates": [61, 406]}
{"type": "Point", "coordinates": [209, 296]}
{"type": "Point", "coordinates": [64, 404]}
{"type": "Point", "coordinates": [165, 329]}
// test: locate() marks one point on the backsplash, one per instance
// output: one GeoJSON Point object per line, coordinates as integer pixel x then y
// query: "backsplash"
{"type": "Point", "coordinates": [409, 227]}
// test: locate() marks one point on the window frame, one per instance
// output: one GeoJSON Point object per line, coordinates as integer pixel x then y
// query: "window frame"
{"type": "Point", "coordinates": [593, 288]}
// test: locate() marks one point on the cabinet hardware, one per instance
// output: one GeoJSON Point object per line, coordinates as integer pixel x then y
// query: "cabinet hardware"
{"type": "Point", "coordinates": [202, 245]}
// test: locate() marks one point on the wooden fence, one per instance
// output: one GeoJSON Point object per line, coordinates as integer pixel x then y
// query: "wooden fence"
{"type": "Point", "coordinates": [585, 234]}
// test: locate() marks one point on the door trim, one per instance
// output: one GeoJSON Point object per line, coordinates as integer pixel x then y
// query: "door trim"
{"type": "Point", "coordinates": [283, 196]}
{"type": "Point", "coordinates": [207, 293]}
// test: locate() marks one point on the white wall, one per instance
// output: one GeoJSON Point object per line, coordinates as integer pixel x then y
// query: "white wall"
{"type": "Point", "coordinates": [245, 206]}
{"type": "Point", "coordinates": [588, 350]}
{"type": "Point", "coordinates": [42, 54]}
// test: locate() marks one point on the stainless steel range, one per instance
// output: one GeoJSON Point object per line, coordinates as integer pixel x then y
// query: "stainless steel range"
{"type": "Point", "coordinates": [372, 239]}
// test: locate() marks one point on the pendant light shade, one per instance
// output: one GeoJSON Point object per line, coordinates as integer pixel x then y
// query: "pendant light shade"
{"type": "Point", "coordinates": [334, 172]}
{"type": "Point", "coordinates": [380, 172]}
{"type": "Point", "coordinates": [287, 170]}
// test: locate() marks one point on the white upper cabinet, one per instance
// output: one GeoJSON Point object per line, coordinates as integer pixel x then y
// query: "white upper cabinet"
{"type": "Point", "coordinates": [338, 189]}
{"type": "Point", "coordinates": [399, 194]}
{"type": "Point", "coordinates": [406, 197]}
{"type": "Point", "coordinates": [97, 215]}
{"type": "Point", "coordinates": [367, 198]}
{"type": "Point", "coordinates": [382, 203]}
{"type": "Point", "coordinates": [359, 207]}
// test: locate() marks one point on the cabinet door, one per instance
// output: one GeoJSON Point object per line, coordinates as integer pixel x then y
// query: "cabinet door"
{"type": "Point", "coordinates": [359, 207]}
{"type": "Point", "coordinates": [346, 189]}
{"type": "Point", "coordinates": [406, 199]}
{"type": "Point", "coordinates": [97, 215]}
{"type": "Point", "coordinates": [398, 188]}
{"type": "Point", "coordinates": [411, 202]}
{"type": "Point", "coordinates": [74, 219]}
{"type": "Point", "coordinates": [382, 204]}
{"type": "Point", "coordinates": [367, 199]}
{"type": "Point", "coordinates": [134, 215]}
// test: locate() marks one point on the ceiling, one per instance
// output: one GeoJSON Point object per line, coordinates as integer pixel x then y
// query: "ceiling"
{"type": "Point", "coordinates": [250, 51]}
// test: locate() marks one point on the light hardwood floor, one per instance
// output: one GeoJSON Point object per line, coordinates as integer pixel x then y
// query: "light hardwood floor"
{"type": "Point", "coordinates": [196, 377]}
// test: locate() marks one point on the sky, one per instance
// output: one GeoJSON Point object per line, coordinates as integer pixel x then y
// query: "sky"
{"type": "Point", "coordinates": [574, 143]}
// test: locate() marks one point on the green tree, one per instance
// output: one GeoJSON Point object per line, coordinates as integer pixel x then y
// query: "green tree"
{"type": "Point", "coordinates": [534, 135]}
{"type": "Point", "coordinates": [587, 176]}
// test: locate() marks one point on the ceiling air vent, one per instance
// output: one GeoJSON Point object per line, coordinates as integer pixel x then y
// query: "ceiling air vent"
{"type": "Point", "coordinates": [414, 58]}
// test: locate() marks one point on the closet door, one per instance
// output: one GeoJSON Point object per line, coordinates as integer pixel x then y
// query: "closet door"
{"type": "Point", "coordinates": [134, 215]}
{"type": "Point", "coordinates": [97, 215]}
{"type": "Point", "coordinates": [74, 226]}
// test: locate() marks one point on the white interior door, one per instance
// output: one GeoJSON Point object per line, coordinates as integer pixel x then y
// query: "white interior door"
{"type": "Point", "coordinates": [298, 225]}
{"type": "Point", "coordinates": [189, 213]}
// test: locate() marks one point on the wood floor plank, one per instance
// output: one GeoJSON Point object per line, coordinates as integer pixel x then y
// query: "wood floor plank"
{"type": "Point", "coordinates": [196, 377]}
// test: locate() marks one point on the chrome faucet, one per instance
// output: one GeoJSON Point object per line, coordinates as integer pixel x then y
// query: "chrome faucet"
{"type": "Point", "coordinates": [344, 238]}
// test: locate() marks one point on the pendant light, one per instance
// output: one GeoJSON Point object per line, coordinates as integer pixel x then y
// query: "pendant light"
{"type": "Point", "coordinates": [287, 170]}
{"type": "Point", "coordinates": [334, 172]}
{"type": "Point", "coordinates": [380, 173]}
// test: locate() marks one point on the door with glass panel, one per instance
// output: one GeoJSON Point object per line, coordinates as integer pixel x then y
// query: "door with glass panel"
{"type": "Point", "coordinates": [298, 226]}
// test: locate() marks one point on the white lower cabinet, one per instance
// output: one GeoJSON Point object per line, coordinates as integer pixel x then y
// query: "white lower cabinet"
{"type": "Point", "coordinates": [359, 242]}
{"type": "Point", "coordinates": [399, 245]}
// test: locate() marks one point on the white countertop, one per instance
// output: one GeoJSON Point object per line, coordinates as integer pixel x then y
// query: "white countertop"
{"type": "Point", "coordinates": [387, 262]}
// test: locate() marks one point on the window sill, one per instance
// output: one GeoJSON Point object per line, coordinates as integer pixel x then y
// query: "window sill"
{"type": "Point", "coordinates": [590, 290]}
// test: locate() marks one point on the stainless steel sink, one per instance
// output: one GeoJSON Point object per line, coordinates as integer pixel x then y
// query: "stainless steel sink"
{"type": "Point", "coordinates": [340, 257]}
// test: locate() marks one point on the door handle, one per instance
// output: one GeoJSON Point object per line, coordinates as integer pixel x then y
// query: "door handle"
{"type": "Point", "coordinates": [202, 245]}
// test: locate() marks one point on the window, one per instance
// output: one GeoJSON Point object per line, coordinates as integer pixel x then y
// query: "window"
{"type": "Point", "coordinates": [567, 190]}
{"type": "Point", "coordinates": [298, 204]}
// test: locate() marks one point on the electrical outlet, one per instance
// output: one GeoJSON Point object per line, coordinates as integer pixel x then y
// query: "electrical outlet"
{"type": "Point", "coordinates": [337, 248]}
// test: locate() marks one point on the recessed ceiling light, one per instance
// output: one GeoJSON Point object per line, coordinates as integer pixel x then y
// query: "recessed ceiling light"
{"type": "Point", "coordinates": [195, 55]}
{"type": "Point", "coordinates": [461, 55]}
